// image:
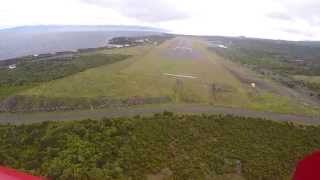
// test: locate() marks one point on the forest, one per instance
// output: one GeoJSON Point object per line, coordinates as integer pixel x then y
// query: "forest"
{"type": "Point", "coordinates": [167, 145]}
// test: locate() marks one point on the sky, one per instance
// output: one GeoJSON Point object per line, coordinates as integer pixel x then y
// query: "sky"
{"type": "Point", "coordinates": [273, 19]}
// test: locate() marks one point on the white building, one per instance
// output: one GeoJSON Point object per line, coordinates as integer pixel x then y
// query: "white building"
{"type": "Point", "coordinates": [222, 46]}
{"type": "Point", "coordinates": [139, 41]}
{"type": "Point", "coordinates": [13, 66]}
{"type": "Point", "coordinates": [115, 46]}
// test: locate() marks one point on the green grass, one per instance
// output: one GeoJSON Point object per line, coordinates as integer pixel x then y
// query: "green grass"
{"type": "Point", "coordinates": [6, 91]}
{"type": "Point", "coordinates": [311, 79]}
{"type": "Point", "coordinates": [131, 51]}
{"type": "Point", "coordinates": [143, 76]}
{"type": "Point", "coordinates": [281, 104]}
{"type": "Point", "coordinates": [29, 72]}
{"type": "Point", "coordinates": [312, 82]}
{"type": "Point", "coordinates": [184, 146]}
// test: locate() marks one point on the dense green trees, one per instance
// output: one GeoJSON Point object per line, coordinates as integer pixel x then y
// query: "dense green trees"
{"type": "Point", "coordinates": [190, 147]}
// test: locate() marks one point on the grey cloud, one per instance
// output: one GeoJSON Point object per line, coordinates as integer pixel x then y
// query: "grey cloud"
{"type": "Point", "coordinates": [298, 32]}
{"type": "Point", "coordinates": [144, 10]}
{"type": "Point", "coordinates": [308, 10]}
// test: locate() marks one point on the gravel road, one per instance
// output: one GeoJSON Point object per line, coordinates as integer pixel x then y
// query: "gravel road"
{"type": "Point", "coordinates": [24, 118]}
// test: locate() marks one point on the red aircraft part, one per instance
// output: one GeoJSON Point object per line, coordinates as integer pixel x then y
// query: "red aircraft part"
{"type": "Point", "coordinates": [308, 168]}
{"type": "Point", "coordinates": [11, 174]}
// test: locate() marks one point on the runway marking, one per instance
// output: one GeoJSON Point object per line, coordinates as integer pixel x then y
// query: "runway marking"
{"type": "Point", "coordinates": [180, 76]}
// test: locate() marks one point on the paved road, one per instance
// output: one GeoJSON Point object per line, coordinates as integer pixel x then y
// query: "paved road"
{"type": "Point", "coordinates": [148, 111]}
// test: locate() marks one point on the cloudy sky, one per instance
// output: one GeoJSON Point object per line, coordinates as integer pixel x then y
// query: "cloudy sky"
{"type": "Point", "coordinates": [276, 19]}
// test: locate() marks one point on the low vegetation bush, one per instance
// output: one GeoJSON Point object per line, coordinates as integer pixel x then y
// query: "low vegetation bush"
{"type": "Point", "coordinates": [185, 146]}
{"type": "Point", "coordinates": [37, 71]}
{"type": "Point", "coordinates": [313, 86]}
{"type": "Point", "coordinates": [278, 60]}
{"type": "Point", "coordinates": [283, 57]}
{"type": "Point", "coordinates": [19, 103]}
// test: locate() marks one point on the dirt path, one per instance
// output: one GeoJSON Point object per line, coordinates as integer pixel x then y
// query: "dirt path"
{"type": "Point", "coordinates": [148, 111]}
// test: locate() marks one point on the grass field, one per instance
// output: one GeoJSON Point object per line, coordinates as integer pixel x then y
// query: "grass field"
{"type": "Point", "coordinates": [143, 76]}
{"type": "Point", "coordinates": [6, 91]}
{"type": "Point", "coordinates": [31, 73]}
{"type": "Point", "coordinates": [311, 79]}
{"type": "Point", "coordinates": [218, 81]}
{"type": "Point", "coordinates": [312, 82]}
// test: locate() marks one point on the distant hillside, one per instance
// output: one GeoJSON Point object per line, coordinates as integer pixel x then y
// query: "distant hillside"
{"type": "Point", "coordinates": [78, 28]}
{"type": "Point", "coordinates": [26, 40]}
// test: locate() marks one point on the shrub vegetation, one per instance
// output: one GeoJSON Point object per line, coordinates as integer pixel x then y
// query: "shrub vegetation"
{"type": "Point", "coordinates": [188, 146]}
{"type": "Point", "coordinates": [28, 72]}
